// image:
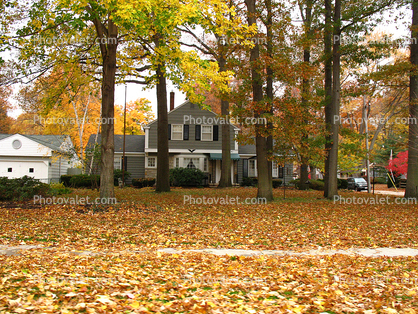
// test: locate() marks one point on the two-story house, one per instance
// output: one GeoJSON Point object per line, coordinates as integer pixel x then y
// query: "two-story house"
{"type": "Point", "coordinates": [195, 141]}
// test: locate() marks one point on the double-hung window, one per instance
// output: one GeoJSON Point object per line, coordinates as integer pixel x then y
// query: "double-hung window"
{"type": "Point", "coordinates": [177, 132]}
{"type": "Point", "coordinates": [207, 132]}
{"type": "Point", "coordinates": [252, 168]}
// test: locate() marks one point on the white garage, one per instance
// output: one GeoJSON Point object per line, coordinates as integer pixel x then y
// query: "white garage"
{"type": "Point", "coordinates": [43, 157]}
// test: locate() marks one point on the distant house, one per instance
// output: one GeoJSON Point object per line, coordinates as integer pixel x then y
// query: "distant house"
{"type": "Point", "coordinates": [248, 165]}
{"type": "Point", "coordinates": [195, 141]}
{"type": "Point", "coordinates": [134, 154]}
{"type": "Point", "coordinates": [43, 157]}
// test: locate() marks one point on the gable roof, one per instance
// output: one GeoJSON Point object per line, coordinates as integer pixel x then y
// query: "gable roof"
{"type": "Point", "coordinates": [133, 143]}
{"type": "Point", "coordinates": [52, 141]}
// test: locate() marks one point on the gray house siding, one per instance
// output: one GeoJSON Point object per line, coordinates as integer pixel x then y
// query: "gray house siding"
{"type": "Point", "coordinates": [243, 171]}
{"type": "Point", "coordinates": [288, 173]}
{"type": "Point", "coordinates": [58, 167]}
{"type": "Point", "coordinates": [177, 116]}
{"type": "Point", "coordinates": [136, 167]}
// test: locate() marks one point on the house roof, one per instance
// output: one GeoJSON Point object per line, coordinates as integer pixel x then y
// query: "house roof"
{"type": "Point", "coordinates": [133, 143]}
{"type": "Point", "coordinates": [246, 149]}
{"type": "Point", "coordinates": [52, 141]}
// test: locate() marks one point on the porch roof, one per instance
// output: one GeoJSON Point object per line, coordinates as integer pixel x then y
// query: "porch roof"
{"type": "Point", "coordinates": [218, 156]}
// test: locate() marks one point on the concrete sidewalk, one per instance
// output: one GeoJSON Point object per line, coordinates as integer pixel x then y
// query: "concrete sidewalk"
{"type": "Point", "coordinates": [366, 252]}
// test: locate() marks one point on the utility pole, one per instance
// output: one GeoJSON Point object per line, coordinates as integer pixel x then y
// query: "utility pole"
{"type": "Point", "coordinates": [366, 122]}
{"type": "Point", "coordinates": [124, 131]}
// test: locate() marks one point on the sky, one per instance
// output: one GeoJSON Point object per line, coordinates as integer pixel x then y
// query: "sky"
{"type": "Point", "coordinates": [398, 28]}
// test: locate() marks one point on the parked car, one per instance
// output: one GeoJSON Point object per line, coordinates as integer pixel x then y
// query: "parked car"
{"type": "Point", "coordinates": [357, 184]}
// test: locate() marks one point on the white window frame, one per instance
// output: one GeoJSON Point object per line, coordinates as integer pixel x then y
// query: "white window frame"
{"type": "Point", "coordinates": [211, 133]}
{"type": "Point", "coordinates": [251, 175]}
{"type": "Point", "coordinates": [274, 170]}
{"type": "Point", "coordinates": [147, 162]}
{"type": "Point", "coordinates": [205, 165]}
{"type": "Point", "coordinates": [120, 163]}
{"type": "Point", "coordinates": [196, 162]}
{"type": "Point", "coordinates": [172, 132]}
{"type": "Point", "coordinates": [179, 161]}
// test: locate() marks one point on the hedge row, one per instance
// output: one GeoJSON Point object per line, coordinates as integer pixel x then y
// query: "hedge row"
{"type": "Point", "coordinates": [251, 181]}
{"type": "Point", "coordinates": [142, 183]}
{"type": "Point", "coordinates": [80, 181]}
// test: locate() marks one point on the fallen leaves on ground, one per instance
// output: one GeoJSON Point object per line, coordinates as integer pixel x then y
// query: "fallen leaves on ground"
{"type": "Point", "coordinates": [129, 276]}
{"type": "Point", "coordinates": [201, 283]}
{"type": "Point", "coordinates": [145, 220]}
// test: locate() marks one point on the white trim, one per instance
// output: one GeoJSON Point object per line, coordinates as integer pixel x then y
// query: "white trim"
{"type": "Point", "coordinates": [146, 162]}
{"type": "Point", "coordinates": [235, 140]}
{"type": "Point", "coordinates": [255, 168]}
{"type": "Point", "coordinates": [120, 162]}
{"type": "Point", "coordinates": [197, 151]}
{"type": "Point", "coordinates": [211, 133]}
{"type": "Point", "coordinates": [146, 137]}
{"type": "Point", "coordinates": [172, 132]}
{"type": "Point", "coordinates": [130, 154]}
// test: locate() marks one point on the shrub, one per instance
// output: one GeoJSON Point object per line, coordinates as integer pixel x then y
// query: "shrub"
{"type": "Point", "coordinates": [58, 189]}
{"type": "Point", "coordinates": [379, 180]}
{"type": "Point", "coordinates": [117, 174]}
{"type": "Point", "coordinates": [65, 179]}
{"type": "Point", "coordinates": [313, 184]}
{"type": "Point", "coordinates": [85, 181]}
{"type": "Point", "coordinates": [187, 177]}
{"type": "Point", "coordinates": [390, 184]}
{"type": "Point", "coordinates": [21, 188]}
{"type": "Point", "coordinates": [249, 181]}
{"type": "Point", "coordinates": [342, 184]}
{"type": "Point", "coordinates": [143, 182]}
{"type": "Point", "coordinates": [316, 185]}
{"type": "Point", "coordinates": [277, 183]}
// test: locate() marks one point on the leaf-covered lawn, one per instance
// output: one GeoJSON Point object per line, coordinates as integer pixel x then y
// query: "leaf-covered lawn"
{"type": "Point", "coordinates": [125, 280]}
{"type": "Point", "coordinates": [144, 220]}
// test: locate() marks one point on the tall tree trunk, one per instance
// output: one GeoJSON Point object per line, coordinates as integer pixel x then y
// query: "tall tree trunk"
{"type": "Point", "coordinates": [304, 174]}
{"type": "Point", "coordinates": [332, 88]}
{"type": "Point", "coordinates": [163, 165]}
{"type": "Point", "coordinates": [335, 107]}
{"type": "Point", "coordinates": [265, 189]}
{"type": "Point", "coordinates": [411, 190]}
{"type": "Point", "coordinates": [108, 47]}
{"type": "Point", "coordinates": [313, 172]}
{"type": "Point", "coordinates": [269, 87]}
{"type": "Point", "coordinates": [225, 180]}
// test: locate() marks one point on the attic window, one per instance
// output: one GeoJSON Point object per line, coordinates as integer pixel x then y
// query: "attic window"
{"type": "Point", "coordinates": [17, 144]}
{"type": "Point", "coordinates": [9, 169]}
{"type": "Point", "coordinates": [31, 170]}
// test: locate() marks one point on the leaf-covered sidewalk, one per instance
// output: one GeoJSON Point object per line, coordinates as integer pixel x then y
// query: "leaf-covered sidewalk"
{"type": "Point", "coordinates": [53, 279]}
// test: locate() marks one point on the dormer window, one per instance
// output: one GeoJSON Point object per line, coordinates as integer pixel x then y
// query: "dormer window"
{"type": "Point", "coordinates": [177, 132]}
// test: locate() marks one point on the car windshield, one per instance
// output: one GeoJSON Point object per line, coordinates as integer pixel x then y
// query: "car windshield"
{"type": "Point", "coordinates": [360, 180]}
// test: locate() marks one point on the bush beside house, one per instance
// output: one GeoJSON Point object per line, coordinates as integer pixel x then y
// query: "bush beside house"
{"type": "Point", "coordinates": [187, 177]}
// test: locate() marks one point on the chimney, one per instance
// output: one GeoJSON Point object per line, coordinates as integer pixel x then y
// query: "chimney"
{"type": "Point", "coordinates": [171, 101]}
